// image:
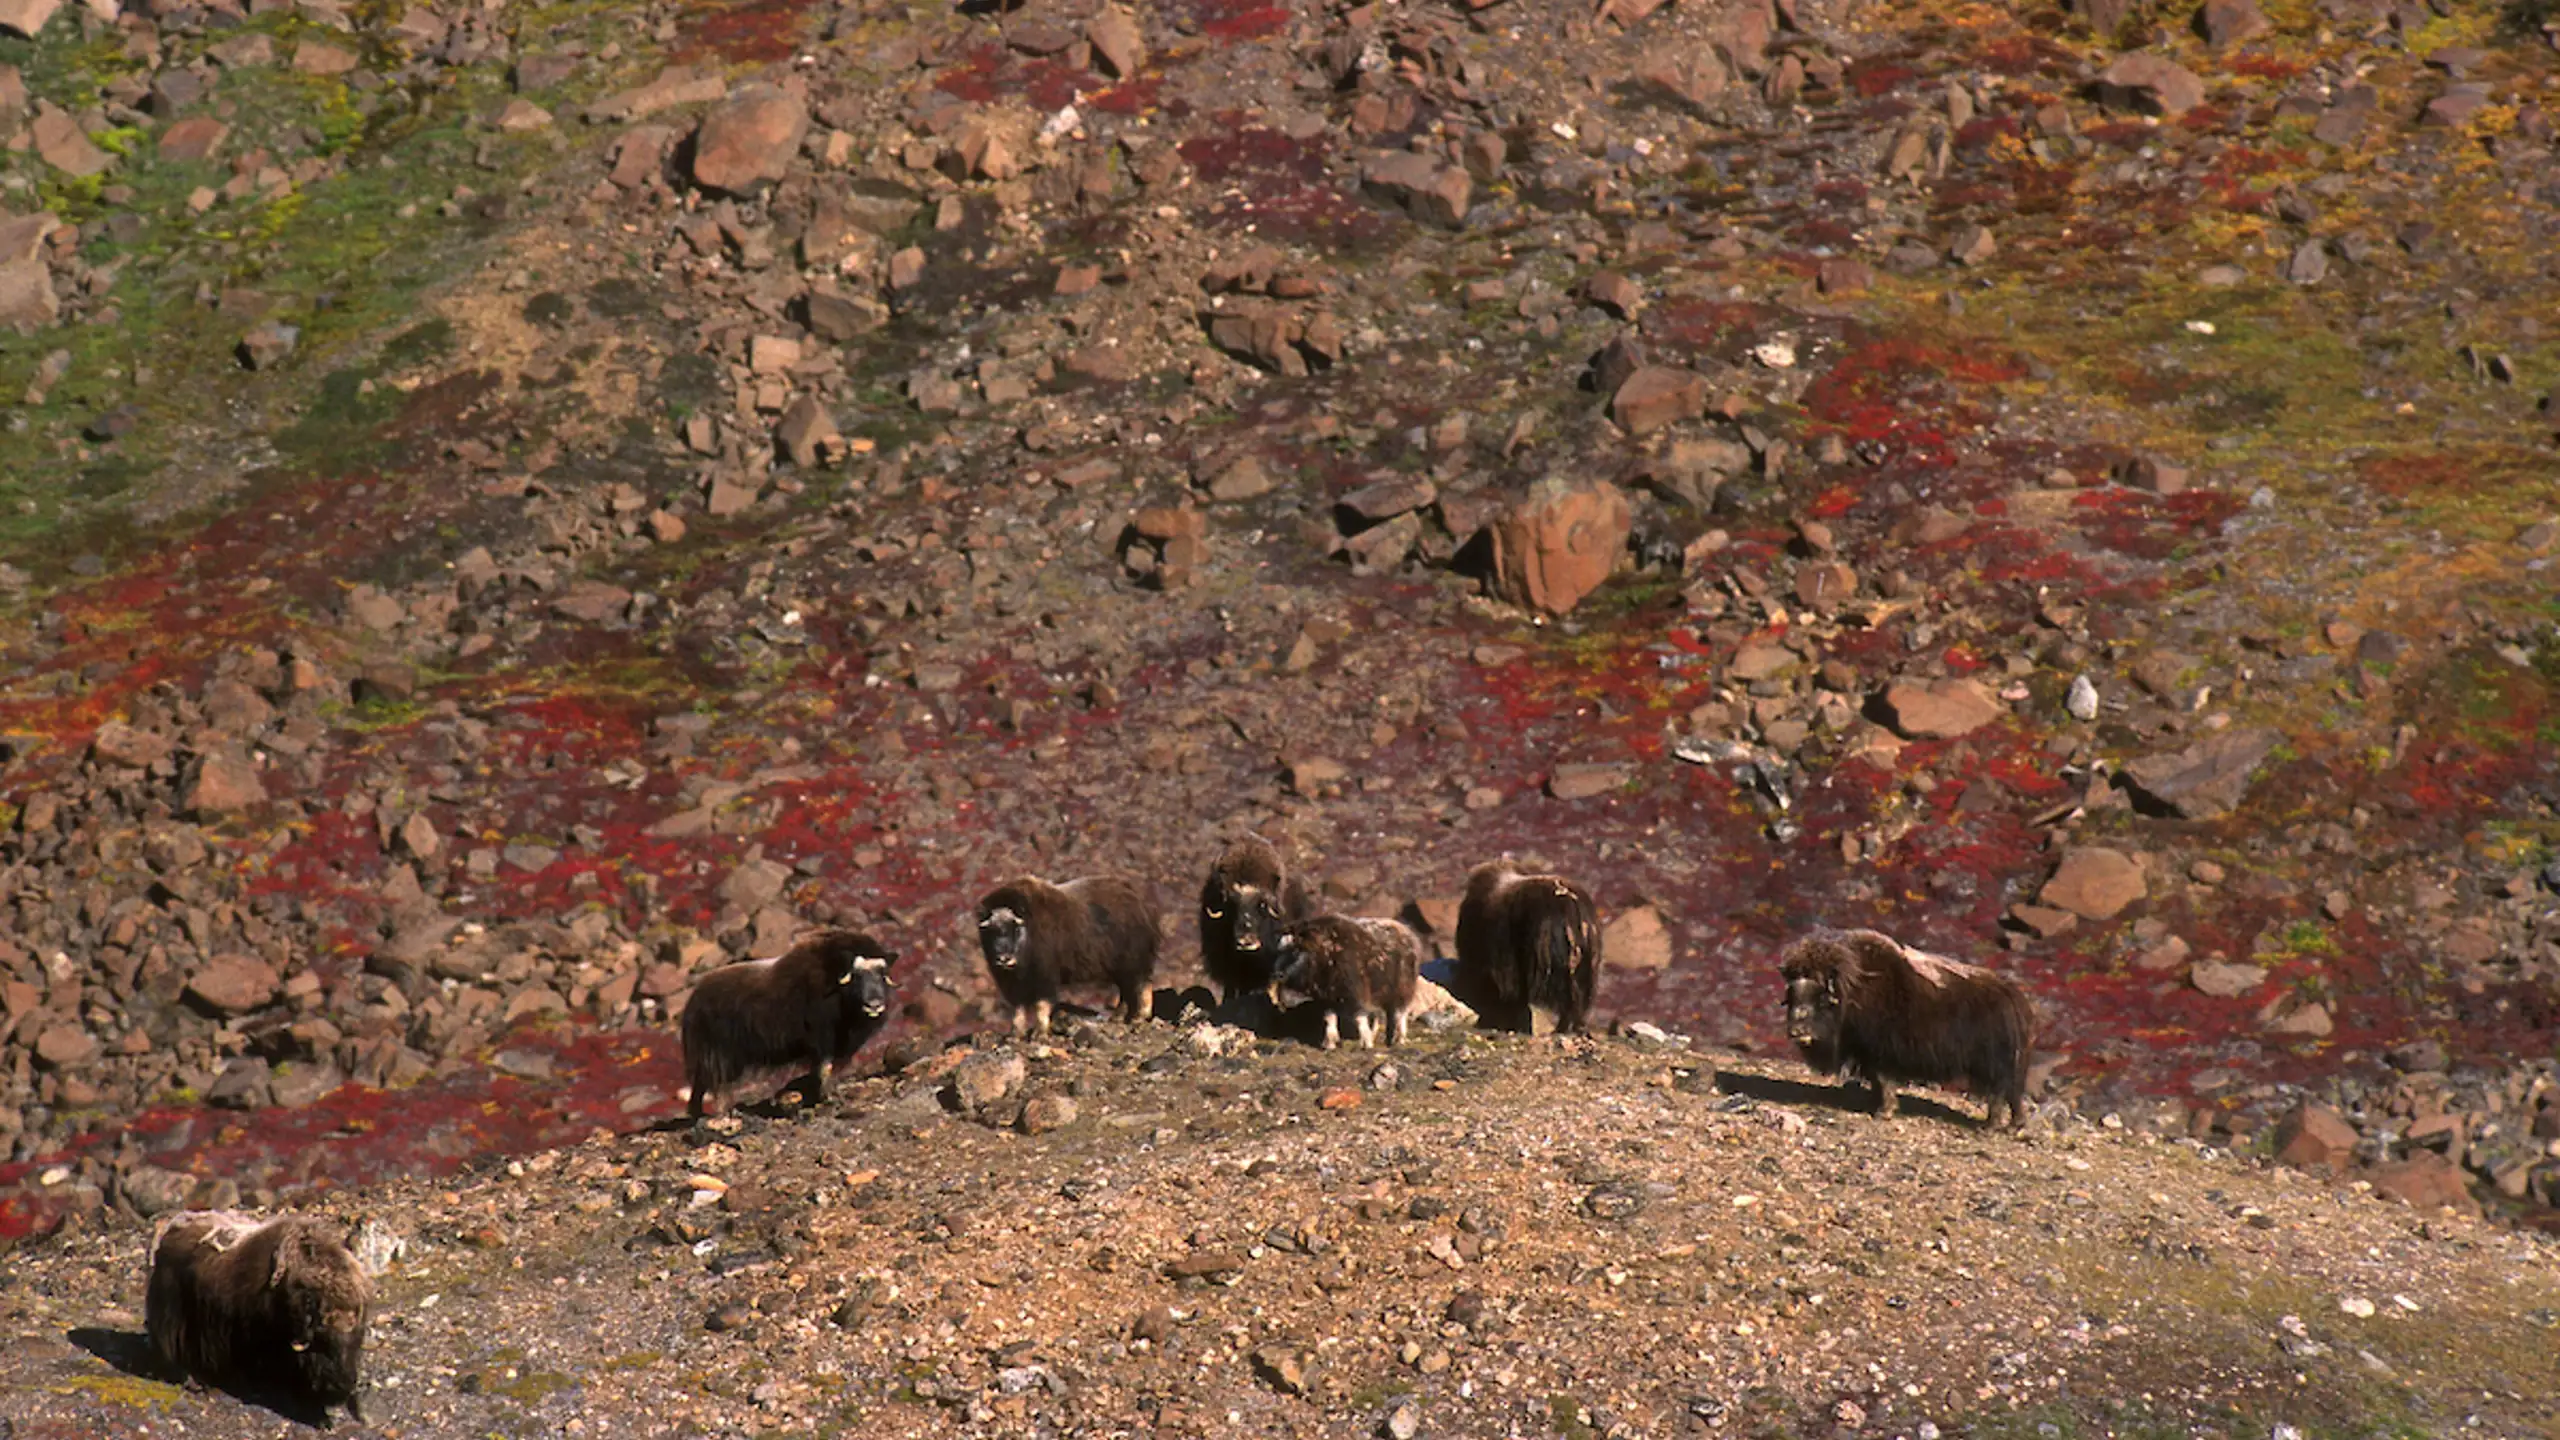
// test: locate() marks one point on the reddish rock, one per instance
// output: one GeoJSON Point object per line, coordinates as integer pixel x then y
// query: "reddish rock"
{"type": "Point", "coordinates": [26, 17]}
{"type": "Point", "coordinates": [2152, 84]}
{"type": "Point", "coordinates": [1636, 940]}
{"type": "Point", "coordinates": [1432, 191]}
{"type": "Point", "coordinates": [63, 1047]}
{"type": "Point", "coordinates": [1658, 395]}
{"type": "Point", "coordinates": [1824, 585]}
{"type": "Point", "coordinates": [1843, 276]}
{"type": "Point", "coordinates": [746, 142]}
{"type": "Point", "coordinates": [2427, 1182]}
{"type": "Point", "coordinates": [223, 780]}
{"type": "Point", "coordinates": [192, 139]}
{"type": "Point", "coordinates": [318, 57]}
{"type": "Point", "coordinates": [1116, 42]}
{"type": "Point", "coordinates": [2207, 778]}
{"type": "Point", "coordinates": [62, 144]}
{"type": "Point", "coordinates": [2094, 883]}
{"type": "Point", "coordinates": [120, 744]}
{"type": "Point", "coordinates": [232, 984]}
{"type": "Point", "coordinates": [1614, 293]}
{"type": "Point", "coordinates": [2315, 1137]}
{"type": "Point", "coordinates": [2228, 22]}
{"type": "Point", "coordinates": [808, 434]}
{"type": "Point", "coordinates": [1559, 542]}
{"type": "Point", "coordinates": [1940, 709]}
{"type": "Point", "coordinates": [1582, 782]}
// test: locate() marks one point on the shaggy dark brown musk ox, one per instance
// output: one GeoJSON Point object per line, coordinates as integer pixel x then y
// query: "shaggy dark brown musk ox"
{"type": "Point", "coordinates": [1357, 967]}
{"type": "Point", "coordinates": [1865, 1003]}
{"type": "Point", "coordinates": [1038, 937]}
{"type": "Point", "coordinates": [802, 1013]}
{"type": "Point", "coordinates": [277, 1307]}
{"type": "Point", "coordinates": [1244, 903]}
{"type": "Point", "coordinates": [1527, 942]}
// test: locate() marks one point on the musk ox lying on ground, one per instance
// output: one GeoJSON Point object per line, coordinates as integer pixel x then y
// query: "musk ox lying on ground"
{"type": "Point", "coordinates": [802, 1014]}
{"type": "Point", "coordinates": [1863, 1002]}
{"type": "Point", "coordinates": [1356, 967]}
{"type": "Point", "coordinates": [275, 1307]}
{"type": "Point", "coordinates": [1527, 942]}
{"type": "Point", "coordinates": [1244, 903]}
{"type": "Point", "coordinates": [1038, 937]}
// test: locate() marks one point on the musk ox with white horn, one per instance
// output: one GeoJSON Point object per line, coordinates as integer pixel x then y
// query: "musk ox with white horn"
{"type": "Point", "coordinates": [1244, 903]}
{"type": "Point", "coordinates": [1038, 937]}
{"type": "Point", "coordinates": [1527, 942]}
{"type": "Point", "coordinates": [274, 1307]}
{"type": "Point", "coordinates": [1354, 966]}
{"type": "Point", "coordinates": [1865, 1003]}
{"type": "Point", "coordinates": [802, 1014]}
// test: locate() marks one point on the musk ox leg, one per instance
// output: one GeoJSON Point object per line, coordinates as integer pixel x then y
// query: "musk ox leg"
{"type": "Point", "coordinates": [1039, 1017]}
{"type": "Point", "coordinates": [1395, 1027]}
{"type": "Point", "coordinates": [1367, 1026]}
{"type": "Point", "coordinates": [1133, 1003]}
{"type": "Point", "coordinates": [1332, 1030]}
{"type": "Point", "coordinates": [1885, 1099]}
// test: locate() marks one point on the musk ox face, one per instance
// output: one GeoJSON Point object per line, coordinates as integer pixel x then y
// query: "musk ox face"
{"type": "Point", "coordinates": [1000, 935]}
{"type": "Point", "coordinates": [328, 1348]}
{"type": "Point", "coordinates": [1251, 915]}
{"type": "Point", "coordinates": [866, 978]}
{"type": "Point", "coordinates": [1813, 1012]}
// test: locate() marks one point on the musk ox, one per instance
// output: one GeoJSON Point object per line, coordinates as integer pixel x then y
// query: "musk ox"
{"type": "Point", "coordinates": [1356, 967]}
{"type": "Point", "coordinates": [1865, 1003]}
{"type": "Point", "coordinates": [1244, 903]}
{"type": "Point", "coordinates": [1527, 942]}
{"type": "Point", "coordinates": [263, 1308]}
{"type": "Point", "coordinates": [1038, 937]}
{"type": "Point", "coordinates": [801, 1014]}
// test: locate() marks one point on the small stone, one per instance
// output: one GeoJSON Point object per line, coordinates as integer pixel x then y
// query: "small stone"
{"type": "Point", "coordinates": [985, 1078]}
{"type": "Point", "coordinates": [1281, 1369]}
{"type": "Point", "coordinates": [1403, 1422]}
{"type": "Point", "coordinates": [1636, 940]}
{"type": "Point", "coordinates": [1614, 293]}
{"type": "Point", "coordinates": [62, 144]}
{"type": "Point", "coordinates": [1116, 42]}
{"type": "Point", "coordinates": [2152, 84]}
{"type": "Point", "coordinates": [2094, 883]}
{"type": "Point", "coordinates": [2082, 702]}
{"type": "Point", "coordinates": [2228, 22]}
{"type": "Point", "coordinates": [65, 1047]}
{"type": "Point", "coordinates": [318, 57]}
{"type": "Point", "coordinates": [1658, 395]}
{"type": "Point", "coordinates": [2425, 1181]}
{"type": "Point", "coordinates": [2207, 872]}
{"type": "Point", "coordinates": [728, 1318]}
{"type": "Point", "coordinates": [192, 139]}
{"type": "Point", "coordinates": [2313, 1137]}
{"type": "Point", "coordinates": [1244, 478]}
{"type": "Point", "coordinates": [520, 116]}
{"type": "Point", "coordinates": [1973, 245]}
{"type": "Point", "coordinates": [2226, 980]}
{"type": "Point", "coordinates": [1044, 1113]}
{"type": "Point", "coordinates": [2206, 779]}
{"type": "Point", "coordinates": [1582, 782]}
{"type": "Point", "coordinates": [2044, 921]}
{"type": "Point", "coordinates": [233, 984]}
{"type": "Point", "coordinates": [266, 346]}
{"type": "Point", "coordinates": [746, 142]}
{"type": "Point", "coordinates": [2310, 262]}
{"type": "Point", "coordinates": [224, 780]}
{"type": "Point", "coordinates": [26, 17]}
{"type": "Point", "coordinates": [1940, 709]}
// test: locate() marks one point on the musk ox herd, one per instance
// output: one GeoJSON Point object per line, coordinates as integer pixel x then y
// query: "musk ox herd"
{"type": "Point", "coordinates": [280, 1306]}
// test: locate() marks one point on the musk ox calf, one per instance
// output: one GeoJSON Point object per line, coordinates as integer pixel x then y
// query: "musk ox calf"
{"type": "Point", "coordinates": [1244, 903]}
{"type": "Point", "coordinates": [799, 1014]}
{"type": "Point", "coordinates": [1038, 937]}
{"type": "Point", "coordinates": [1865, 1003]}
{"type": "Point", "coordinates": [264, 1308]}
{"type": "Point", "coordinates": [1356, 967]}
{"type": "Point", "coordinates": [1527, 942]}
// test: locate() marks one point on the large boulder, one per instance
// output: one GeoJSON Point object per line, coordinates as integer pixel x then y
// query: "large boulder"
{"type": "Point", "coordinates": [1559, 542]}
{"type": "Point", "coordinates": [746, 141]}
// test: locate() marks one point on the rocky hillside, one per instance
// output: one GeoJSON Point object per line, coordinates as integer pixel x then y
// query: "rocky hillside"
{"type": "Point", "coordinates": [1187, 1232]}
{"type": "Point", "coordinates": [507, 506]}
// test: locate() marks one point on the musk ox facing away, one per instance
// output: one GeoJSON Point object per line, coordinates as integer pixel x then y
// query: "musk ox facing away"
{"type": "Point", "coordinates": [1527, 942]}
{"type": "Point", "coordinates": [1356, 967]}
{"type": "Point", "coordinates": [274, 1307]}
{"type": "Point", "coordinates": [1244, 903]}
{"type": "Point", "coordinates": [1038, 937]}
{"type": "Point", "coordinates": [1863, 1002]}
{"type": "Point", "coordinates": [802, 1013]}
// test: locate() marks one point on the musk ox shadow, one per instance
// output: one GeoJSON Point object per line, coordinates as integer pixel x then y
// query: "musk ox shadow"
{"type": "Point", "coordinates": [1851, 1099]}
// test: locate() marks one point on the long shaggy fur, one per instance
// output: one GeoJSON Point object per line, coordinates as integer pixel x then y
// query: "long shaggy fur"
{"type": "Point", "coordinates": [275, 1307]}
{"type": "Point", "coordinates": [1862, 1002]}
{"type": "Point", "coordinates": [1244, 903]}
{"type": "Point", "coordinates": [1357, 967]}
{"type": "Point", "coordinates": [1527, 942]}
{"type": "Point", "coordinates": [1038, 937]}
{"type": "Point", "coordinates": [801, 1014]}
